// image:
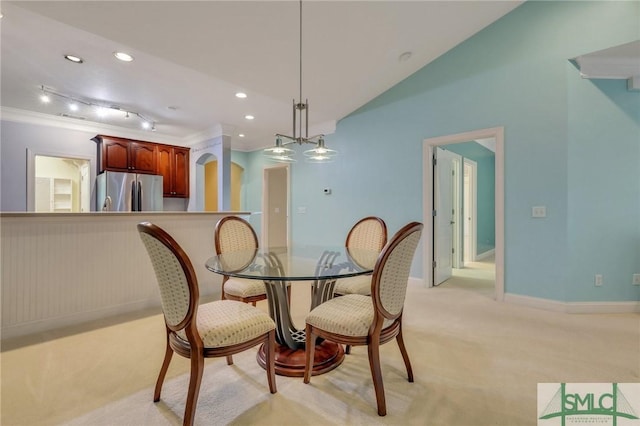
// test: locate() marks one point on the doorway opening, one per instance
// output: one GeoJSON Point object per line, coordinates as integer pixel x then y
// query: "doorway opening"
{"type": "Point", "coordinates": [470, 192]}
{"type": "Point", "coordinates": [211, 187]}
{"type": "Point", "coordinates": [275, 206]}
{"type": "Point", "coordinates": [58, 184]}
{"type": "Point", "coordinates": [208, 192]}
{"type": "Point", "coordinates": [438, 227]}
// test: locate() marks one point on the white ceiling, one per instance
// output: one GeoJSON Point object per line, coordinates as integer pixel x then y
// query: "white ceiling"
{"type": "Point", "coordinates": [194, 55]}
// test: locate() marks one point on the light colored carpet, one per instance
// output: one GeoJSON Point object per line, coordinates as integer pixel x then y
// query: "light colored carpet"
{"type": "Point", "coordinates": [475, 361]}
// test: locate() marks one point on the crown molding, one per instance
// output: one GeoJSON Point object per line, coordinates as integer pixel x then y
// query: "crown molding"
{"type": "Point", "coordinates": [36, 118]}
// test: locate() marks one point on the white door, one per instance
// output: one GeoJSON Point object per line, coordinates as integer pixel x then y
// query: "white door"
{"type": "Point", "coordinates": [444, 218]}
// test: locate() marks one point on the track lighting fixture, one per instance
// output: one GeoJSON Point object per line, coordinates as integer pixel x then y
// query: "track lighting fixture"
{"type": "Point", "coordinates": [100, 109]}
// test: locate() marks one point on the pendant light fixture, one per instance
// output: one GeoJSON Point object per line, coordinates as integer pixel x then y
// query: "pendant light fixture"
{"type": "Point", "coordinates": [320, 153]}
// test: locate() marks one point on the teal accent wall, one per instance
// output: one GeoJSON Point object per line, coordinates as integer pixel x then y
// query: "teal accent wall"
{"type": "Point", "coordinates": [570, 145]}
{"type": "Point", "coordinates": [604, 189]}
{"type": "Point", "coordinates": [486, 196]}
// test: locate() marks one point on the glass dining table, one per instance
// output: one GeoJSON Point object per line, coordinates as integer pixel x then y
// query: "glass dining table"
{"type": "Point", "coordinates": [279, 267]}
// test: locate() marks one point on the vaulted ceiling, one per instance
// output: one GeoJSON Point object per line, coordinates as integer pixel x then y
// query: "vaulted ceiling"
{"type": "Point", "coordinates": [191, 57]}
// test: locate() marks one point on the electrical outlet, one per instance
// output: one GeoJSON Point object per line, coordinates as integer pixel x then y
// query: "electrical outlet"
{"type": "Point", "coordinates": [599, 280]}
{"type": "Point", "coordinates": [636, 279]}
{"type": "Point", "coordinates": [539, 211]}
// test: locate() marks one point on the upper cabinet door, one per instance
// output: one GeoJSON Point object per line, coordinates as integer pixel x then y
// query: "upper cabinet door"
{"type": "Point", "coordinates": [165, 155]}
{"type": "Point", "coordinates": [142, 157]}
{"type": "Point", "coordinates": [114, 155]}
{"type": "Point", "coordinates": [181, 172]}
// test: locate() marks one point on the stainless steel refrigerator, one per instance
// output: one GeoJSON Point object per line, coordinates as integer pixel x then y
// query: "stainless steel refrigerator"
{"type": "Point", "coordinates": [128, 192]}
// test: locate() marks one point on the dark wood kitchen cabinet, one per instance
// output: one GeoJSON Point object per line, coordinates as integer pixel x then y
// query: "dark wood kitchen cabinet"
{"type": "Point", "coordinates": [173, 165]}
{"type": "Point", "coordinates": [126, 155]}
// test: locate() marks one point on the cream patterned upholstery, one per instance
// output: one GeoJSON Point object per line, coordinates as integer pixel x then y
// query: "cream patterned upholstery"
{"type": "Point", "coordinates": [227, 322]}
{"type": "Point", "coordinates": [350, 315]}
{"type": "Point", "coordinates": [369, 233]}
{"type": "Point", "coordinates": [395, 274]}
{"type": "Point", "coordinates": [354, 285]}
{"type": "Point", "coordinates": [174, 289]}
{"type": "Point", "coordinates": [244, 287]}
{"type": "Point", "coordinates": [236, 235]}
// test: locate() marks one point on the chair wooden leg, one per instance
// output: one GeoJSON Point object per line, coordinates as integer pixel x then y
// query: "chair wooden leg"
{"type": "Point", "coordinates": [197, 367]}
{"type": "Point", "coordinates": [270, 360]}
{"type": "Point", "coordinates": [376, 375]}
{"type": "Point", "coordinates": [405, 355]}
{"type": "Point", "coordinates": [229, 360]}
{"type": "Point", "coordinates": [309, 352]}
{"type": "Point", "coordinates": [347, 349]}
{"type": "Point", "coordinates": [163, 371]}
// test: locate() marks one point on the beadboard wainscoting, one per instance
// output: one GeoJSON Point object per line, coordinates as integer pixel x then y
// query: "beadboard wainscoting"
{"type": "Point", "coordinates": [64, 269]}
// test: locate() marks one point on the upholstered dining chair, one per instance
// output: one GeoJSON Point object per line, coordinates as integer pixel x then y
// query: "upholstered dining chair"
{"type": "Point", "coordinates": [368, 233]}
{"type": "Point", "coordinates": [355, 319]}
{"type": "Point", "coordinates": [232, 233]}
{"type": "Point", "coordinates": [215, 329]}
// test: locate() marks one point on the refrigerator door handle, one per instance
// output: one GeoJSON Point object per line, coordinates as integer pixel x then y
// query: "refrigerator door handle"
{"type": "Point", "coordinates": [139, 196]}
{"type": "Point", "coordinates": [134, 197]}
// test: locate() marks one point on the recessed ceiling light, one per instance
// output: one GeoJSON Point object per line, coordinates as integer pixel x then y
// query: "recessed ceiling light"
{"type": "Point", "coordinates": [45, 99]}
{"type": "Point", "coordinates": [241, 135]}
{"type": "Point", "coordinates": [73, 58]}
{"type": "Point", "coordinates": [249, 117]}
{"type": "Point", "coordinates": [241, 95]}
{"type": "Point", "coordinates": [125, 57]}
{"type": "Point", "coordinates": [73, 106]}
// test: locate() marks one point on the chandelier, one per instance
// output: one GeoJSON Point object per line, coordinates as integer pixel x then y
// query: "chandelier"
{"type": "Point", "coordinates": [320, 153]}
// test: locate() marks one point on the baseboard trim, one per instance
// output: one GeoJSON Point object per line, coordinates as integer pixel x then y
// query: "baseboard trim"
{"type": "Point", "coordinates": [49, 324]}
{"type": "Point", "coordinates": [485, 254]}
{"type": "Point", "coordinates": [574, 307]}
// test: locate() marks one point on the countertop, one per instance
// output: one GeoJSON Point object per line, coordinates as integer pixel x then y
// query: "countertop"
{"type": "Point", "coordinates": [120, 214]}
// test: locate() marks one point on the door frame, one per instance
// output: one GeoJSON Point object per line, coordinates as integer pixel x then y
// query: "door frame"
{"type": "Point", "coordinates": [265, 202]}
{"type": "Point", "coordinates": [428, 149]}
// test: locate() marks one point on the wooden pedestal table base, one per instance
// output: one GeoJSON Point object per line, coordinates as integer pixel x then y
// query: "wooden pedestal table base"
{"type": "Point", "coordinates": [290, 362]}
